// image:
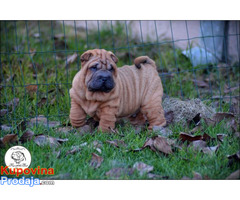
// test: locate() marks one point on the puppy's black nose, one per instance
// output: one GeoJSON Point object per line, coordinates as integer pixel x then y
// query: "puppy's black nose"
{"type": "Point", "coordinates": [104, 77]}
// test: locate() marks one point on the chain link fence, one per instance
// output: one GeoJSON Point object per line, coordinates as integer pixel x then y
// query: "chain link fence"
{"type": "Point", "coordinates": [195, 59]}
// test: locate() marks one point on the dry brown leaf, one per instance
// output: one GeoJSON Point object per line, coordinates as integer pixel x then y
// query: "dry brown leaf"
{"type": "Point", "coordinates": [27, 136]}
{"type": "Point", "coordinates": [161, 144]}
{"type": "Point", "coordinates": [84, 129]}
{"type": "Point", "coordinates": [190, 138]}
{"type": "Point", "coordinates": [13, 103]}
{"type": "Point", "coordinates": [96, 161]}
{"type": "Point", "coordinates": [210, 150]}
{"type": "Point", "coordinates": [9, 138]}
{"type": "Point", "coordinates": [198, 144]}
{"type": "Point", "coordinates": [42, 102]}
{"type": "Point", "coordinates": [218, 117]}
{"type": "Point", "coordinates": [75, 149]}
{"type": "Point", "coordinates": [116, 143]}
{"type": "Point", "coordinates": [230, 89]}
{"type": "Point", "coordinates": [118, 172]}
{"type": "Point", "coordinates": [142, 168]}
{"type": "Point", "coordinates": [41, 120]}
{"type": "Point", "coordinates": [221, 136]}
{"type": "Point", "coordinates": [5, 127]}
{"type": "Point", "coordinates": [65, 130]}
{"type": "Point", "coordinates": [97, 144]}
{"type": "Point", "coordinates": [234, 176]}
{"type": "Point", "coordinates": [42, 140]}
{"type": "Point", "coordinates": [201, 84]}
{"type": "Point", "coordinates": [197, 176]}
{"type": "Point", "coordinates": [32, 88]}
{"type": "Point", "coordinates": [71, 59]}
{"type": "Point", "coordinates": [149, 143]}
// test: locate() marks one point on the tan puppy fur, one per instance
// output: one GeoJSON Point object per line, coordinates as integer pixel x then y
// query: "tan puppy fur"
{"type": "Point", "coordinates": [137, 88]}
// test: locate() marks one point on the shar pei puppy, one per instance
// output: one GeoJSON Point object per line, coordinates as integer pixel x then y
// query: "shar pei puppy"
{"type": "Point", "coordinates": [107, 93]}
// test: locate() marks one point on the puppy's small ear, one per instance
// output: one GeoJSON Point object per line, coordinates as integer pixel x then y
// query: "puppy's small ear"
{"type": "Point", "coordinates": [85, 57]}
{"type": "Point", "coordinates": [114, 58]}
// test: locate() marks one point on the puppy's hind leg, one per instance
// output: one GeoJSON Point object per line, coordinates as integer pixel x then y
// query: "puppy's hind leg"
{"type": "Point", "coordinates": [154, 112]}
{"type": "Point", "coordinates": [77, 115]}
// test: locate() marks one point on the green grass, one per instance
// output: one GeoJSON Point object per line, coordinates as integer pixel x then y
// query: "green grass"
{"type": "Point", "coordinates": [52, 75]}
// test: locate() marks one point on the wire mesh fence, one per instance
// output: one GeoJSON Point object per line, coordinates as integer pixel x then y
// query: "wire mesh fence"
{"type": "Point", "coordinates": [195, 59]}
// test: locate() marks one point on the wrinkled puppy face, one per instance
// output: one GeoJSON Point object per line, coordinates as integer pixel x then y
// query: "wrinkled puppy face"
{"type": "Point", "coordinates": [101, 70]}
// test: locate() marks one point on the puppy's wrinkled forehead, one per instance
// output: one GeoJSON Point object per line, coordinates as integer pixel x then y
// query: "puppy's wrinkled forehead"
{"type": "Point", "coordinates": [101, 55]}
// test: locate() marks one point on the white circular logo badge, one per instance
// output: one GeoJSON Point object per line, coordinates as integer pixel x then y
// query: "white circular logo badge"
{"type": "Point", "coordinates": [18, 157]}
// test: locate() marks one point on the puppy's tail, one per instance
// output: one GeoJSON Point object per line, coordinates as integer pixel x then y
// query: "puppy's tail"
{"type": "Point", "coordinates": [144, 60]}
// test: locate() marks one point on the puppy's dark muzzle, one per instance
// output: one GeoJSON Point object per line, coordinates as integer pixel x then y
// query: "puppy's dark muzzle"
{"type": "Point", "coordinates": [102, 81]}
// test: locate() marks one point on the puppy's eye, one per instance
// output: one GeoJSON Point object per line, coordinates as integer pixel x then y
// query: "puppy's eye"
{"type": "Point", "coordinates": [93, 68]}
{"type": "Point", "coordinates": [111, 68]}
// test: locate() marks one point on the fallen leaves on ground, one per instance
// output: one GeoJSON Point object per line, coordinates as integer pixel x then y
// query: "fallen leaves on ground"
{"type": "Point", "coordinates": [41, 120]}
{"type": "Point", "coordinates": [42, 140]}
{"type": "Point", "coordinates": [27, 136]}
{"type": "Point", "coordinates": [13, 103]}
{"type": "Point", "coordinates": [116, 143]}
{"type": "Point", "coordinates": [84, 129]}
{"type": "Point", "coordinates": [161, 145]}
{"type": "Point", "coordinates": [96, 161]}
{"type": "Point", "coordinates": [201, 84]}
{"type": "Point", "coordinates": [32, 88]}
{"type": "Point", "coordinates": [71, 59]}
{"type": "Point", "coordinates": [142, 168]}
{"type": "Point", "coordinates": [158, 144]}
{"type": "Point", "coordinates": [230, 89]}
{"type": "Point", "coordinates": [9, 139]}
{"type": "Point", "coordinates": [118, 172]}
{"type": "Point", "coordinates": [210, 150]}
{"type": "Point", "coordinates": [221, 137]}
{"type": "Point", "coordinates": [199, 142]}
{"type": "Point", "coordinates": [65, 130]}
{"type": "Point", "coordinates": [5, 127]}
{"type": "Point", "coordinates": [234, 176]}
{"type": "Point", "coordinates": [75, 149]}
{"type": "Point", "coordinates": [190, 138]}
{"type": "Point", "coordinates": [42, 101]}
{"type": "Point", "coordinates": [218, 117]}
